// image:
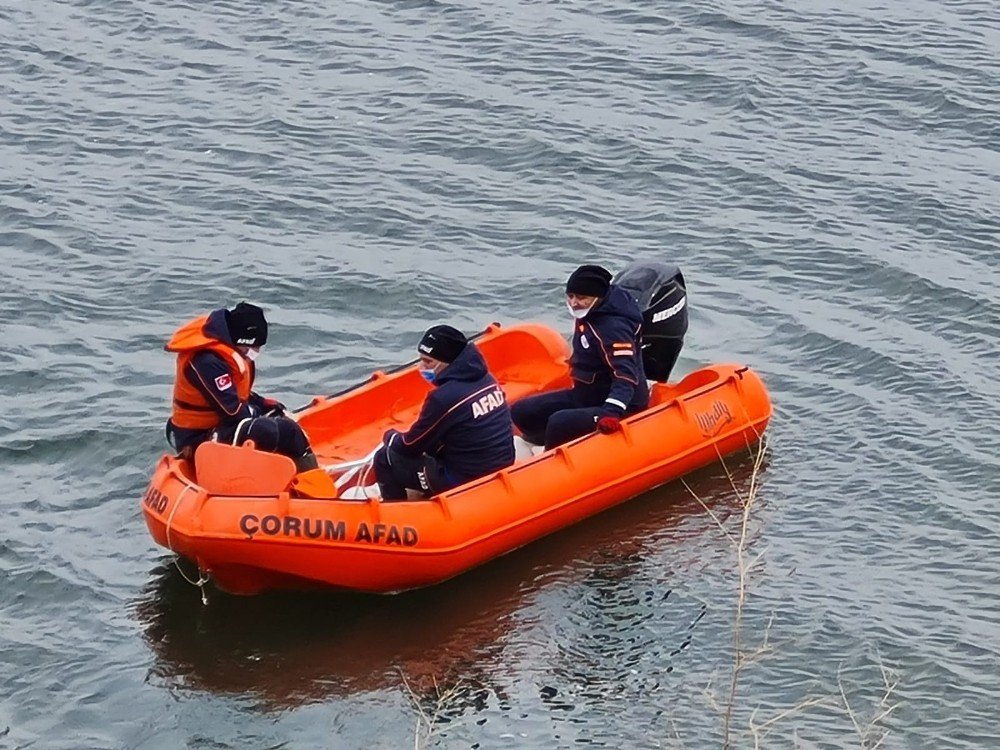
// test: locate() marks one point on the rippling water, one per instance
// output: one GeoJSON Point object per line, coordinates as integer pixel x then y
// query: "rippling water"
{"type": "Point", "coordinates": [827, 177]}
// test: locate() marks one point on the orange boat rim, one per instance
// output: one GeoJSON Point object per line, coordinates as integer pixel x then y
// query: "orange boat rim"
{"type": "Point", "coordinates": [250, 524]}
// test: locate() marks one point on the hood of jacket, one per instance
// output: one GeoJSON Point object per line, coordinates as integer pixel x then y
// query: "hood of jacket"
{"type": "Point", "coordinates": [201, 332]}
{"type": "Point", "coordinates": [616, 302]}
{"type": "Point", "coordinates": [469, 365]}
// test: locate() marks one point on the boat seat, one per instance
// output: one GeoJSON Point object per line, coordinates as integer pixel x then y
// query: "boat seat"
{"type": "Point", "coordinates": [222, 469]}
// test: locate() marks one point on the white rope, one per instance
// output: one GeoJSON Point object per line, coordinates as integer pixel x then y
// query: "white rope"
{"type": "Point", "coordinates": [360, 472]}
{"type": "Point", "coordinates": [202, 579]}
{"type": "Point", "coordinates": [239, 428]}
{"type": "Point", "coordinates": [360, 489]}
{"type": "Point", "coordinates": [364, 480]}
{"type": "Point", "coordinates": [355, 464]}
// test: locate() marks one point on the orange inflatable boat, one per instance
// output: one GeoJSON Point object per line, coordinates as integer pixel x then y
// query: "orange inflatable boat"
{"type": "Point", "coordinates": [236, 513]}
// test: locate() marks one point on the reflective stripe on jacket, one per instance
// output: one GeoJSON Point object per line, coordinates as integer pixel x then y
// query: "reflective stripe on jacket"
{"type": "Point", "coordinates": [606, 363]}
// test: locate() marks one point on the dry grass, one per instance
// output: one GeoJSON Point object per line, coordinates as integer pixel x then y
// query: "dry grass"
{"type": "Point", "coordinates": [869, 728]}
{"type": "Point", "coordinates": [428, 721]}
{"type": "Point", "coordinates": [871, 731]}
{"type": "Point", "coordinates": [746, 565]}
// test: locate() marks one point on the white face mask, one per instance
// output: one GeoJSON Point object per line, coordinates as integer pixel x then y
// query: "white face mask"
{"type": "Point", "coordinates": [578, 314]}
{"type": "Point", "coordinates": [252, 353]}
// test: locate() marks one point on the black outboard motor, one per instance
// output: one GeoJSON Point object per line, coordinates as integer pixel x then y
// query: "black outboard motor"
{"type": "Point", "coordinates": [662, 296]}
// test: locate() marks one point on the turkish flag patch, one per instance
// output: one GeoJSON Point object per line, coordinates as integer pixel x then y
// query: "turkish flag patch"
{"type": "Point", "coordinates": [224, 382]}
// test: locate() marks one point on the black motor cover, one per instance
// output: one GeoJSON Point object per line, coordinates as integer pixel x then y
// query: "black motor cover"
{"type": "Point", "coordinates": [662, 296]}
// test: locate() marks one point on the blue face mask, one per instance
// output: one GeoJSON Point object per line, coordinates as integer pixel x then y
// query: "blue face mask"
{"type": "Point", "coordinates": [429, 375]}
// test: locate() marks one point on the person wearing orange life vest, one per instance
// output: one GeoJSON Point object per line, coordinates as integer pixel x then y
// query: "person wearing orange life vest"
{"type": "Point", "coordinates": [213, 395]}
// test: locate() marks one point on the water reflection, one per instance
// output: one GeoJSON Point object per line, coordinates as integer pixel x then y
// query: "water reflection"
{"type": "Point", "coordinates": [288, 649]}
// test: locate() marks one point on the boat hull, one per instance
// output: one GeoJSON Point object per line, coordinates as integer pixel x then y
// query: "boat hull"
{"type": "Point", "coordinates": [252, 543]}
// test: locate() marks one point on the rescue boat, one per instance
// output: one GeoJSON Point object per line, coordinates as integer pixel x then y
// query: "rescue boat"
{"type": "Point", "coordinates": [235, 512]}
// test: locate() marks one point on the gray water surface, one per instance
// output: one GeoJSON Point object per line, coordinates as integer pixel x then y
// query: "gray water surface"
{"type": "Point", "coordinates": [826, 176]}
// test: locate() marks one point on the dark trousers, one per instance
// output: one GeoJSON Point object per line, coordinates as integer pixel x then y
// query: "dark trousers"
{"type": "Point", "coordinates": [551, 419]}
{"type": "Point", "coordinates": [274, 435]}
{"type": "Point", "coordinates": [395, 473]}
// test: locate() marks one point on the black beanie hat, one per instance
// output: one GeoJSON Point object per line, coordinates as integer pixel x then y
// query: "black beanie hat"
{"type": "Point", "coordinates": [590, 281]}
{"type": "Point", "coordinates": [443, 343]}
{"type": "Point", "coordinates": [247, 326]}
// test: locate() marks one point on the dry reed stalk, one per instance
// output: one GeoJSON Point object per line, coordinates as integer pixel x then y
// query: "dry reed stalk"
{"type": "Point", "coordinates": [745, 566]}
{"type": "Point", "coordinates": [424, 730]}
{"type": "Point", "coordinates": [871, 734]}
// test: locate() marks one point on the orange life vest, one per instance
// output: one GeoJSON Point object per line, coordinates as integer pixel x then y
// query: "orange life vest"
{"type": "Point", "coordinates": [191, 409]}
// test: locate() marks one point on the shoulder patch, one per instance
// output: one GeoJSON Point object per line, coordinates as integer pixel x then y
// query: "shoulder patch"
{"type": "Point", "coordinates": [224, 382]}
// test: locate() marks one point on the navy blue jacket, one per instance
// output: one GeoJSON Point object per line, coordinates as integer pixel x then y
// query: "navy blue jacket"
{"type": "Point", "coordinates": [606, 363]}
{"type": "Point", "coordinates": [464, 422]}
{"type": "Point", "coordinates": [204, 371]}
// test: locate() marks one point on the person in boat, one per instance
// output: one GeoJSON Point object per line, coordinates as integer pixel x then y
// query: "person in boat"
{"type": "Point", "coordinates": [463, 431]}
{"type": "Point", "coordinates": [213, 389]}
{"type": "Point", "coordinates": [606, 366]}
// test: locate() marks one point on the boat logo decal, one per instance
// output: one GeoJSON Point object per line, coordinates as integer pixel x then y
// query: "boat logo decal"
{"type": "Point", "coordinates": [711, 422]}
{"type": "Point", "coordinates": [327, 529]}
{"type": "Point", "coordinates": [155, 500]}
